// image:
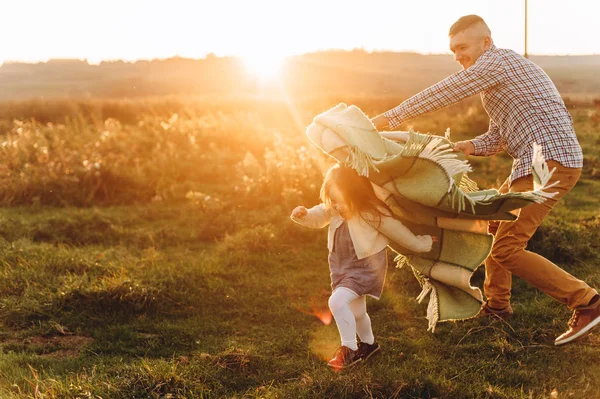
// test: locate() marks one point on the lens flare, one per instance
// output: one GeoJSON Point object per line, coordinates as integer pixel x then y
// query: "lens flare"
{"type": "Point", "coordinates": [263, 65]}
{"type": "Point", "coordinates": [324, 315]}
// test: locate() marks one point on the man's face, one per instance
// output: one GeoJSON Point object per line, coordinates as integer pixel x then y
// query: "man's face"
{"type": "Point", "coordinates": [468, 45]}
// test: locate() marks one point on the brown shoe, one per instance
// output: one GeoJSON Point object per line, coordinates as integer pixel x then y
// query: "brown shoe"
{"type": "Point", "coordinates": [487, 311]}
{"type": "Point", "coordinates": [583, 321]}
{"type": "Point", "coordinates": [344, 357]}
{"type": "Point", "coordinates": [367, 350]}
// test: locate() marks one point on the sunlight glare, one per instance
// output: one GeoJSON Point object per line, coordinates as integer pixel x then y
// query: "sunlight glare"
{"type": "Point", "coordinates": [263, 65]}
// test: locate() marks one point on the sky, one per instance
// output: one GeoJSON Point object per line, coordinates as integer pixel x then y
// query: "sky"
{"type": "Point", "coordinates": [96, 30]}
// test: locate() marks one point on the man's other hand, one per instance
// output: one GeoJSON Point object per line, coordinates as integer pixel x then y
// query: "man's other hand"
{"type": "Point", "coordinates": [465, 146]}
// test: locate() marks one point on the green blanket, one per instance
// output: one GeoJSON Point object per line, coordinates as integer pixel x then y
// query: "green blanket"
{"type": "Point", "coordinates": [425, 183]}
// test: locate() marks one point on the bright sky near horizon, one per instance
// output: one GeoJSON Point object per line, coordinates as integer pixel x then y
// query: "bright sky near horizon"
{"type": "Point", "coordinates": [96, 30]}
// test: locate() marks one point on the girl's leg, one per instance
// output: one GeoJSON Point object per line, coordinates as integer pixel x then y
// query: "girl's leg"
{"type": "Point", "coordinates": [339, 304]}
{"type": "Point", "coordinates": [363, 322]}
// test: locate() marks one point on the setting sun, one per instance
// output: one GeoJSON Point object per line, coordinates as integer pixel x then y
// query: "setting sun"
{"type": "Point", "coordinates": [263, 65]}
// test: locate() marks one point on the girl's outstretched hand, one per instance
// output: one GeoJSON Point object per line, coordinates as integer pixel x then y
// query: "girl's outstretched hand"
{"type": "Point", "coordinates": [434, 239]}
{"type": "Point", "coordinates": [299, 212]}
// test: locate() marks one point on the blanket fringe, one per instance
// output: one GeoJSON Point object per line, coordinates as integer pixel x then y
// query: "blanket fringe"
{"type": "Point", "coordinates": [426, 289]}
{"type": "Point", "coordinates": [467, 185]}
{"type": "Point", "coordinates": [458, 200]}
{"type": "Point", "coordinates": [433, 314]}
{"type": "Point", "coordinates": [360, 161]}
{"type": "Point", "coordinates": [444, 155]}
{"type": "Point", "coordinates": [431, 147]}
{"type": "Point", "coordinates": [541, 175]}
{"type": "Point", "coordinates": [400, 260]}
{"type": "Point", "coordinates": [541, 179]}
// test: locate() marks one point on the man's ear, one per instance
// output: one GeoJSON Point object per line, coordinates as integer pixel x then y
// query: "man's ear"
{"type": "Point", "coordinates": [487, 42]}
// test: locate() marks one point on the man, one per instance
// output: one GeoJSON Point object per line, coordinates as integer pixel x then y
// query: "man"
{"type": "Point", "coordinates": [524, 107]}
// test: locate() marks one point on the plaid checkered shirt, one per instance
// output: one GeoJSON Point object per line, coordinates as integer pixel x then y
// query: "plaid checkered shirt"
{"type": "Point", "coordinates": [521, 101]}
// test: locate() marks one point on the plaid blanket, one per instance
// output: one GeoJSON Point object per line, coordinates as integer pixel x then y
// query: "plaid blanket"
{"type": "Point", "coordinates": [425, 183]}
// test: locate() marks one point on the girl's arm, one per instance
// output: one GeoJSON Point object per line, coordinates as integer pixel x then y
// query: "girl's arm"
{"type": "Point", "coordinates": [315, 217]}
{"type": "Point", "coordinates": [394, 230]}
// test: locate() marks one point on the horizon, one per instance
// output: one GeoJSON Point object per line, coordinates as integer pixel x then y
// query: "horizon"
{"type": "Point", "coordinates": [210, 55]}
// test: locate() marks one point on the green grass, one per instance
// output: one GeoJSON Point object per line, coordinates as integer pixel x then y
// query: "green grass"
{"type": "Point", "coordinates": [212, 292]}
{"type": "Point", "coordinates": [172, 314]}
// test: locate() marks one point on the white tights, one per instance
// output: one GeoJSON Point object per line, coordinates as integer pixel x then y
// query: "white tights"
{"type": "Point", "coordinates": [350, 313]}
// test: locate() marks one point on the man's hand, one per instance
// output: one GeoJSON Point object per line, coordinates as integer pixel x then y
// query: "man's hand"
{"type": "Point", "coordinates": [465, 146]}
{"type": "Point", "coordinates": [380, 122]}
{"type": "Point", "coordinates": [299, 212]}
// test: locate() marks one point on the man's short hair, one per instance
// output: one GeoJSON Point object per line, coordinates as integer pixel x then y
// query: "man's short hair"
{"type": "Point", "coordinates": [466, 22]}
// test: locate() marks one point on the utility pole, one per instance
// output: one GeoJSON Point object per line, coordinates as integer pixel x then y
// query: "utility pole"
{"type": "Point", "coordinates": [526, 55]}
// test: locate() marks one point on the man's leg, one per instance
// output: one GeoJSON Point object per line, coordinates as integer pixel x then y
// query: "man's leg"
{"type": "Point", "coordinates": [498, 280]}
{"type": "Point", "coordinates": [512, 237]}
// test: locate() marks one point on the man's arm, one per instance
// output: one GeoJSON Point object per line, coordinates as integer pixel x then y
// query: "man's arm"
{"type": "Point", "coordinates": [486, 73]}
{"type": "Point", "coordinates": [489, 143]}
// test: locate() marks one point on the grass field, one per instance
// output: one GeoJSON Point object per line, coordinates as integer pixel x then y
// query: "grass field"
{"type": "Point", "coordinates": [146, 252]}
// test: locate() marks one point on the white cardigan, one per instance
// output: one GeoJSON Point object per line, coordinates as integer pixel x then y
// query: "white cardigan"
{"type": "Point", "coordinates": [366, 239]}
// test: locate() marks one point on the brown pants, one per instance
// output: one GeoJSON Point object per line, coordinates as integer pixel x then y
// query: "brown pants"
{"type": "Point", "coordinates": [509, 256]}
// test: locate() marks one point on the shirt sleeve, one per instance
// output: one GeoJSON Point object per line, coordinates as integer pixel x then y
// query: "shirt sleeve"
{"type": "Point", "coordinates": [487, 72]}
{"type": "Point", "coordinates": [316, 218]}
{"type": "Point", "coordinates": [489, 143]}
{"type": "Point", "coordinates": [395, 231]}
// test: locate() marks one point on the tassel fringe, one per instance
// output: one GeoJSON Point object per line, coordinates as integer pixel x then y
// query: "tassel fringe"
{"type": "Point", "coordinates": [541, 175]}
{"type": "Point", "coordinates": [360, 161]}
{"type": "Point", "coordinates": [400, 260]}
{"type": "Point", "coordinates": [433, 314]}
{"type": "Point", "coordinates": [432, 148]}
{"type": "Point", "coordinates": [541, 178]}
{"type": "Point", "coordinates": [467, 185]}
{"type": "Point", "coordinates": [447, 134]}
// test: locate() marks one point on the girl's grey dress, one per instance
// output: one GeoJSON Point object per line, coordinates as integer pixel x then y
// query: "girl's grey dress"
{"type": "Point", "coordinates": [363, 276]}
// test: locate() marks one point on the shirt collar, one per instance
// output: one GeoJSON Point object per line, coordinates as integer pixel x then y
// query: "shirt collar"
{"type": "Point", "coordinates": [485, 53]}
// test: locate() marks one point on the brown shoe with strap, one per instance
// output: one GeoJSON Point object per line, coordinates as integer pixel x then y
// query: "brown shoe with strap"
{"type": "Point", "coordinates": [584, 321]}
{"type": "Point", "coordinates": [487, 311]}
{"type": "Point", "coordinates": [344, 357]}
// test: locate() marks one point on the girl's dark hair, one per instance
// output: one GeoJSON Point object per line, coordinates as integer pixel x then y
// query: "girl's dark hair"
{"type": "Point", "coordinates": [357, 191]}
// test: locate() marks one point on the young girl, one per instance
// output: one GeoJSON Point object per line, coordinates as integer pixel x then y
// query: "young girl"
{"type": "Point", "coordinates": [357, 222]}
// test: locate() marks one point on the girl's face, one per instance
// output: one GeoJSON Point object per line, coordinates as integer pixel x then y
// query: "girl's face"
{"type": "Point", "coordinates": [337, 201]}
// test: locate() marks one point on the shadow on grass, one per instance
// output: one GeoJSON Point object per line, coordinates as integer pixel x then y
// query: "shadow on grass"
{"type": "Point", "coordinates": [152, 226]}
{"type": "Point", "coordinates": [117, 303]}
